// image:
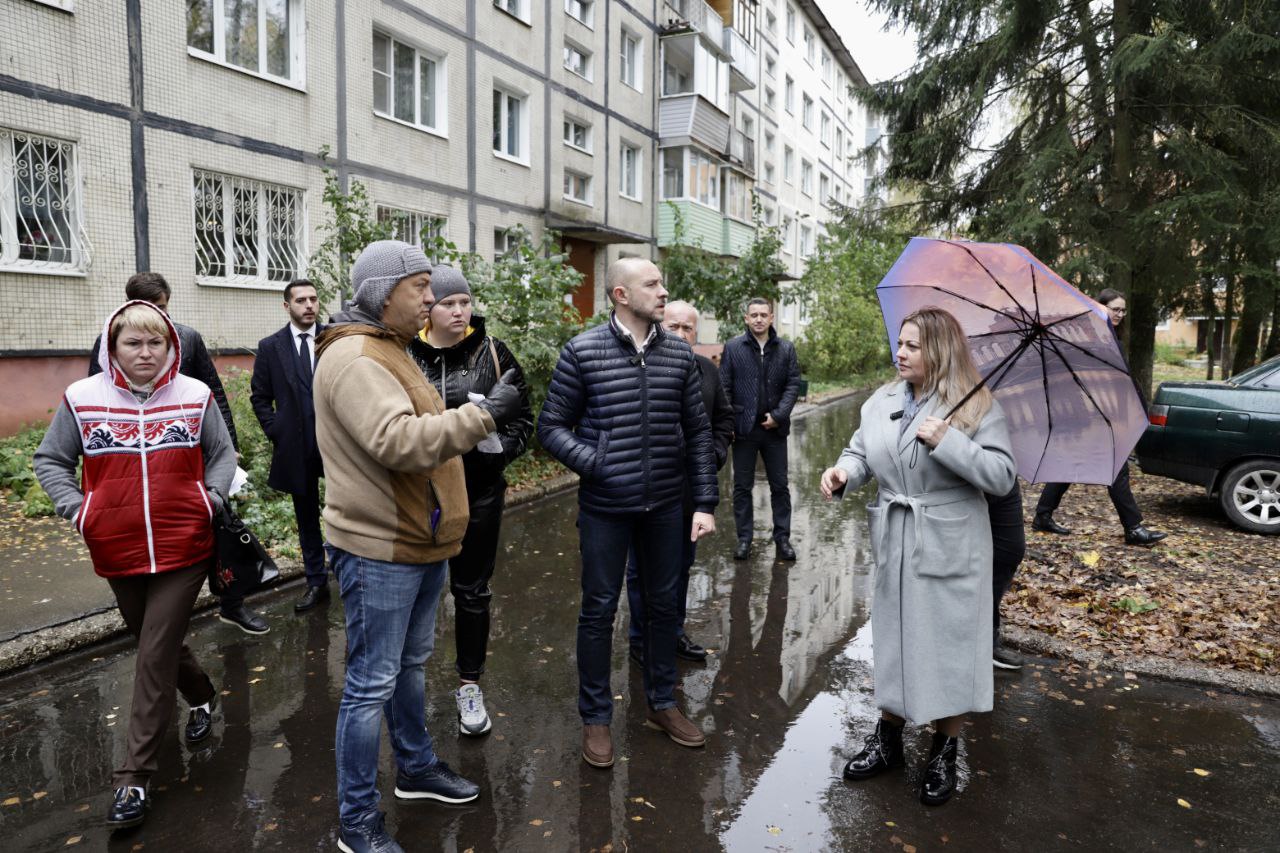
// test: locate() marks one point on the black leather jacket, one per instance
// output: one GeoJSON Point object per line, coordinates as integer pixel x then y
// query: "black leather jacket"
{"type": "Point", "coordinates": [467, 366]}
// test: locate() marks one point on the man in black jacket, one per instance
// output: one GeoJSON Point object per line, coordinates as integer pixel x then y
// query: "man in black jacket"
{"type": "Point", "coordinates": [624, 411]}
{"type": "Point", "coordinates": [682, 321]}
{"type": "Point", "coordinates": [281, 395]}
{"type": "Point", "coordinates": [196, 363]}
{"type": "Point", "coordinates": [761, 378]}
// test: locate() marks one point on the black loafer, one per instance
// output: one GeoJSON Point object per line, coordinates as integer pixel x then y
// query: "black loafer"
{"type": "Point", "coordinates": [244, 619]}
{"type": "Point", "coordinates": [689, 650]}
{"type": "Point", "coordinates": [785, 551]}
{"type": "Point", "coordinates": [200, 722]}
{"type": "Point", "coordinates": [1142, 536]}
{"type": "Point", "coordinates": [1046, 524]}
{"type": "Point", "coordinates": [127, 809]}
{"type": "Point", "coordinates": [315, 595]}
{"type": "Point", "coordinates": [743, 551]}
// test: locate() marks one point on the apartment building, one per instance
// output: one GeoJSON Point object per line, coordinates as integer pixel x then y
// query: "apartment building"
{"type": "Point", "coordinates": [192, 139]}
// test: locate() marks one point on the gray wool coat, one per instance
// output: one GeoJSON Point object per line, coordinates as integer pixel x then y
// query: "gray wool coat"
{"type": "Point", "coordinates": [931, 539]}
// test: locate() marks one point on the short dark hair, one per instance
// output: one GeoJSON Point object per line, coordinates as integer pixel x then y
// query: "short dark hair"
{"type": "Point", "coordinates": [147, 286]}
{"type": "Point", "coordinates": [297, 282]}
{"type": "Point", "coordinates": [1109, 295]}
{"type": "Point", "coordinates": [758, 300]}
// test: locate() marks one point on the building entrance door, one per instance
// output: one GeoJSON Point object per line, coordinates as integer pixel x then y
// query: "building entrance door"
{"type": "Point", "coordinates": [582, 257]}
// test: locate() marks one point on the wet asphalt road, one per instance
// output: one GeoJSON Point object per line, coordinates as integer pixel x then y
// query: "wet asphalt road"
{"type": "Point", "coordinates": [1069, 759]}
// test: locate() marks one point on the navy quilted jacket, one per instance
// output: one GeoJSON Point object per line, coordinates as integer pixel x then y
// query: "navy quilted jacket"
{"type": "Point", "coordinates": [632, 427]}
{"type": "Point", "coordinates": [740, 365]}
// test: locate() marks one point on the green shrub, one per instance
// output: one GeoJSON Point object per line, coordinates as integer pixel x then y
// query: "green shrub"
{"type": "Point", "coordinates": [1172, 355]}
{"type": "Point", "coordinates": [17, 478]}
{"type": "Point", "coordinates": [268, 513]}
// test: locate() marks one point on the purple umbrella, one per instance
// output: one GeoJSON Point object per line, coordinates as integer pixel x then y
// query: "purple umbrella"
{"type": "Point", "coordinates": [1045, 350]}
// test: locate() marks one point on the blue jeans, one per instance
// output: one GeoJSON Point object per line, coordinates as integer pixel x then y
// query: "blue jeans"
{"type": "Point", "coordinates": [391, 622]}
{"type": "Point", "coordinates": [606, 540]}
{"type": "Point", "coordinates": [689, 552]}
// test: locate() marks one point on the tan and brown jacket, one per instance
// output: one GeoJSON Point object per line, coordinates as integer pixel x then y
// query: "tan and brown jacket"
{"type": "Point", "coordinates": [392, 453]}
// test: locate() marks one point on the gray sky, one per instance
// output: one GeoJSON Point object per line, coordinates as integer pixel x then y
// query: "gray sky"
{"type": "Point", "coordinates": [879, 54]}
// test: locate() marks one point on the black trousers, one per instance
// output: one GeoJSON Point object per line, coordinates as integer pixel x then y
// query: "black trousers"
{"type": "Point", "coordinates": [469, 575]}
{"type": "Point", "coordinates": [1008, 547]}
{"type": "Point", "coordinates": [306, 509]}
{"type": "Point", "coordinates": [1121, 498]}
{"type": "Point", "coordinates": [773, 447]}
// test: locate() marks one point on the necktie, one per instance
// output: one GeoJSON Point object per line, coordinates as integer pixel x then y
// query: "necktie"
{"type": "Point", "coordinates": [304, 359]}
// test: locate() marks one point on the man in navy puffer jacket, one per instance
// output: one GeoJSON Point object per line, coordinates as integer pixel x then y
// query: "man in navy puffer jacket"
{"type": "Point", "coordinates": [624, 411]}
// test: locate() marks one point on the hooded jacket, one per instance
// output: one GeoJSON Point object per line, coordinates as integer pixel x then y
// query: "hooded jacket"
{"type": "Point", "coordinates": [394, 488]}
{"type": "Point", "coordinates": [142, 505]}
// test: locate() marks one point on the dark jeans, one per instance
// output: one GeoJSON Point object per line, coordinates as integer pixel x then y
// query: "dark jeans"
{"type": "Point", "coordinates": [773, 447]}
{"type": "Point", "coordinates": [636, 600]}
{"type": "Point", "coordinates": [605, 540]}
{"type": "Point", "coordinates": [157, 609]}
{"type": "Point", "coordinates": [469, 575]}
{"type": "Point", "coordinates": [1121, 498]}
{"type": "Point", "coordinates": [1009, 546]}
{"type": "Point", "coordinates": [306, 509]}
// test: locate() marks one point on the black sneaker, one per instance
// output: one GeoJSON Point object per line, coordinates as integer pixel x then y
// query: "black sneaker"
{"type": "Point", "coordinates": [368, 836]}
{"type": "Point", "coordinates": [436, 783]}
{"type": "Point", "coordinates": [200, 721]}
{"type": "Point", "coordinates": [128, 808]}
{"type": "Point", "coordinates": [1002, 658]}
{"type": "Point", "coordinates": [244, 619]}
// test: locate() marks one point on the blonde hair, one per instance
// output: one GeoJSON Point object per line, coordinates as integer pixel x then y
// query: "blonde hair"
{"type": "Point", "coordinates": [144, 318]}
{"type": "Point", "coordinates": [949, 371]}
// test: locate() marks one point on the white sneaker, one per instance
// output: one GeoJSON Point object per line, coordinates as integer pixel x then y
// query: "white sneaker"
{"type": "Point", "coordinates": [472, 718]}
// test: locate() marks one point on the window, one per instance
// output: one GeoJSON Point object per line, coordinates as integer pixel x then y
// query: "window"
{"type": "Point", "coordinates": [788, 313]}
{"type": "Point", "coordinates": [407, 84]}
{"type": "Point", "coordinates": [630, 61]}
{"type": "Point", "coordinates": [413, 227]}
{"type": "Point", "coordinates": [577, 60]}
{"type": "Point", "coordinates": [770, 100]}
{"type": "Point", "coordinates": [506, 241]}
{"type": "Point", "coordinates": [41, 210]}
{"type": "Point", "coordinates": [508, 125]}
{"type": "Point", "coordinates": [580, 10]}
{"type": "Point", "coordinates": [771, 67]}
{"type": "Point", "coordinates": [824, 189]}
{"type": "Point", "coordinates": [810, 46]}
{"type": "Point", "coordinates": [514, 8]}
{"type": "Point", "coordinates": [737, 195]}
{"type": "Point", "coordinates": [770, 215]}
{"type": "Point", "coordinates": [577, 135]}
{"type": "Point", "coordinates": [771, 22]}
{"type": "Point", "coordinates": [629, 172]}
{"type": "Point", "coordinates": [263, 37]}
{"type": "Point", "coordinates": [806, 177]}
{"type": "Point", "coordinates": [770, 174]}
{"type": "Point", "coordinates": [687, 173]}
{"type": "Point", "coordinates": [577, 186]}
{"type": "Point", "coordinates": [768, 142]}
{"type": "Point", "coordinates": [791, 25]}
{"type": "Point", "coordinates": [689, 66]}
{"type": "Point", "coordinates": [839, 143]}
{"type": "Point", "coordinates": [806, 241]}
{"type": "Point", "coordinates": [788, 164]}
{"type": "Point", "coordinates": [826, 67]}
{"type": "Point", "coordinates": [789, 95]}
{"type": "Point", "coordinates": [247, 232]}
{"type": "Point", "coordinates": [784, 234]}
{"type": "Point", "coordinates": [806, 114]}
{"type": "Point", "coordinates": [824, 128]}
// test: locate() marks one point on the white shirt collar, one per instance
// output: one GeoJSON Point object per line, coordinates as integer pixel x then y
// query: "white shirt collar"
{"type": "Point", "coordinates": [621, 327]}
{"type": "Point", "coordinates": [297, 331]}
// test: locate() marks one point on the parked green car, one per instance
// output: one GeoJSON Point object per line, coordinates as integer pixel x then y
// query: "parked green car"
{"type": "Point", "coordinates": [1224, 436]}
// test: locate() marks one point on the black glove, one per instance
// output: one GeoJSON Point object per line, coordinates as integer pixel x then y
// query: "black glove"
{"type": "Point", "coordinates": [503, 400]}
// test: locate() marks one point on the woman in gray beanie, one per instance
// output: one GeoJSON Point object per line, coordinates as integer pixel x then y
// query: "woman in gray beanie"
{"type": "Point", "coordinates": [460, 359]}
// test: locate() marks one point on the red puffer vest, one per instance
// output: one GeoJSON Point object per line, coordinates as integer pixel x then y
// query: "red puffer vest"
{"type": "Point", "coordinates": [145, 508]}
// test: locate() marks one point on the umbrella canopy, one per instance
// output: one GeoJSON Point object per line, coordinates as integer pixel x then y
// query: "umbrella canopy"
{"type": "Point", "coordinates": [1046, 351]}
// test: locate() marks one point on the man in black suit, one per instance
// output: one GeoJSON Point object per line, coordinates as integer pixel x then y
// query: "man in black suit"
{"type": "Point", "coordinates": [281, 394]}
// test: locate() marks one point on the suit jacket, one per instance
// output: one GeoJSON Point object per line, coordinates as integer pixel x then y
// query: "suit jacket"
{"type": "Point", "coordinates": [283, 403]}
{"type": "Point", "coordinates": [721, 415]}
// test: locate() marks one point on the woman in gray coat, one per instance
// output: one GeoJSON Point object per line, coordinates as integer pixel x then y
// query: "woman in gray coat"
{"type": "Point", "coordinates": [931, 538]}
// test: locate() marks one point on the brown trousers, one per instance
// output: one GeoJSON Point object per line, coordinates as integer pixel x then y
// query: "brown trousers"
{"type": "Point", "coordinates": [157, 610]}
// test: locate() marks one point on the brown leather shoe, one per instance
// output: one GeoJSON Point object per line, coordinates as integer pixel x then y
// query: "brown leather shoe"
{"type": "Point", "coordinates": [677, 727]}
{"type": "Point", "coordinates": [597, 746]}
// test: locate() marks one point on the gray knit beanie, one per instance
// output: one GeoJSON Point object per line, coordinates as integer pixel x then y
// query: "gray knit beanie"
{"type": "Point", "coordinates": [380, 268]}
{"type": "Point", "coordinates": [446, 281]}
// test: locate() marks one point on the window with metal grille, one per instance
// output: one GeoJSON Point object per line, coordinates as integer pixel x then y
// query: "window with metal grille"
{"type": "Point", "coordinates": [41, 208]}
{"type": "Point", "coordinates": [246, 232]}
{"type": "Point", "coordinates": [414, 227]}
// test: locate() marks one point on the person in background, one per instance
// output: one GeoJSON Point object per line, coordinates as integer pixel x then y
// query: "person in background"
{"type": "Point", "coordinates": [1008, 547]}
{"type": "Point", "coordinates": [761, 379]}
{"type": "Point", "coordinates": [158, 462]}
{"type": "Point", "coordinates": [280, 391]}
{"type": "Point", "coordinates": [463, 362]}
{"type": "Point", "coordinates": [1135, 533]}
{"type": "Point", "coordinates": [395, 511]}
{"type": "Point", "coordinates": [196, 363]}
{"type": "Point", "coordinates": [681, 319]}
{"type": "Point", "coordinates": [931, 540]}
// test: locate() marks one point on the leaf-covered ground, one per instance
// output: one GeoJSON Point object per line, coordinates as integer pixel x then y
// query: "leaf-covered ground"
{"type": "Point", "coordinates": [1208, 594]}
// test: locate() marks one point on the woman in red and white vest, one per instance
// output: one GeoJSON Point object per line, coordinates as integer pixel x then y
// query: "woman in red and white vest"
{"type": "Point", "coordinates": [152, 455]}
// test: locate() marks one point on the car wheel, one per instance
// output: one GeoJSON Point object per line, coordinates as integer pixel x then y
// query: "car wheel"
{"type": "Point", "coordinates": [1250, 495]}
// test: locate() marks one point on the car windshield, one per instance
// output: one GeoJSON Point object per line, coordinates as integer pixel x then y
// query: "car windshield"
{"type": "Point", "coordinates": [1265, 375]}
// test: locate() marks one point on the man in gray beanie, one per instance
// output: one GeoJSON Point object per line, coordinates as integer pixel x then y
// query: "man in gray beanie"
{"type": "Point", "coordinates": [395, 512]}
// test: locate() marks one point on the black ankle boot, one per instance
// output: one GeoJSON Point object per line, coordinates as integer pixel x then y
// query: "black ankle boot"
{"type": "Point", "coordinates": [940, 773]}
{"type": "Point", "coordinates": [882, 750]}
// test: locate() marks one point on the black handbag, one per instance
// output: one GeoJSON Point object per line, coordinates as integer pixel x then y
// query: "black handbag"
{"type": "Point", "coordinates": [240, 564]}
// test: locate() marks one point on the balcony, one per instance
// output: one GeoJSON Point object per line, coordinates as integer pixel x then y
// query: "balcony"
{"type": "Point", "coordinates": [743, 63]}
{"type": "Point", "coordinates": [692, 118]}
{"type": "Point", "coordinates": [742, 150]}
{"type": "Point", "coordinates": [680, 15]}
{"type": "Point", "coordinates": [705, 228]}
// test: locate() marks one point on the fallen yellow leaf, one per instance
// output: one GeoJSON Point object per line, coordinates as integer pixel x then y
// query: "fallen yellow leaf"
{"type": "Point", "coordinates": [537, 821]}
{"type": "Point", "coordinates": [774, 830]}
{"type": "Point", "coordinates": [1200, 772]}
{"type": "Point", "coordinates": [1090, 558]}
{"type": "Point", "coordinates": [75, 839]}
{"type": "Point", "coordinates": [12, 801]}
{"type": "Point", "coordinates": [1183, 803]}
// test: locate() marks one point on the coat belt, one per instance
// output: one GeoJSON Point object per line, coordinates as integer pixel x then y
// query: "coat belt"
{"type": "Point", "coordinates": [914, 504]}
